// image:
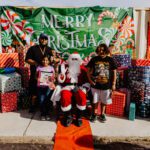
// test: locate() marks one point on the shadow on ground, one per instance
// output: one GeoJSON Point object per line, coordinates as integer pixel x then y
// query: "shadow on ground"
{"type": "Point", "coordinates": [121, 146]}
{"type": "Point", "coordinates": [25, 146]}
{"type": "Point", "coordinates": [108, 146]}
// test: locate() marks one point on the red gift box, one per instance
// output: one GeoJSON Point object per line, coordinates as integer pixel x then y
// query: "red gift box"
{"type": "Point", "coordinates": [9, 60]}
{"type": "Point", "coordinates": [8, 101]}
{"type": "Point", "coordinates": [117, 108]}
{"type": "Point", "coordinates": [140, 62]}
{"type": "Point", "coordinates": [25, 76]}
{"type": "Point", "coordinates": [21, 60]}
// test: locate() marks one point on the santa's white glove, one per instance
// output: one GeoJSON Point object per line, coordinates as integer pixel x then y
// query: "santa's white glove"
{"type": "Point", "coordinates": [86, 86]}
{"type": "Point", "coordinates": [61, 78]}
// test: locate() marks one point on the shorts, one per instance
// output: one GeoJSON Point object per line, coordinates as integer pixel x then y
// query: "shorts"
{"type": "Point", "coordinates": [104, 96]}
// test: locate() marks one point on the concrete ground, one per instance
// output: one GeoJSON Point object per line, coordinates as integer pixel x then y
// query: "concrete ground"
{"type": "Point", "coordinates": [22, 123]}
{"type": "Point", "coordinates": [22, 127]}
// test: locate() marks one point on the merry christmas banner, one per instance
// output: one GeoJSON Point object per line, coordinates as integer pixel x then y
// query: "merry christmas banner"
{"type": "Point", "coordinates": [69, 29]}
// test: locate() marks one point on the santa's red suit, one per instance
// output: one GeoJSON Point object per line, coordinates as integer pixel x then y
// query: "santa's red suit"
{"type": "Point", "coordinates": [72, 77]}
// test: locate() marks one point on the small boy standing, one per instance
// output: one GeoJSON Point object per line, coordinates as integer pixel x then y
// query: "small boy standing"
{"type": "Point", "coordinates": [102, 77]}
{"type": "Point", "coordinates": [46, 77]}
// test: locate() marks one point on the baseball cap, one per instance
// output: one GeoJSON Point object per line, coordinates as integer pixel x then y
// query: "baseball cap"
{"type": "Point", "coordinates": [43, 36]}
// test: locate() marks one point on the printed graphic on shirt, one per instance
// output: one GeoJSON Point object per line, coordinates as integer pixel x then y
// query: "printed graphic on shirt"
{"type": "Point", "coordinates": [101, 73]}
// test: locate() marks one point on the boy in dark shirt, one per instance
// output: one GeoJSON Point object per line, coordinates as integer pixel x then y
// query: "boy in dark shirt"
{"type": "Point", "coordinates": [102, 77]}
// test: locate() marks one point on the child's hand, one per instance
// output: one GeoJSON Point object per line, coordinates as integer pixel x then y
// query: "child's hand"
{"type": "Point", "coordinates": [92, 82]}
{"type": "Point", "coordinates": [52, 86]}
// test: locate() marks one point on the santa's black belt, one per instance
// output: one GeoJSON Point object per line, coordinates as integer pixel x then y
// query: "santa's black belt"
{"type": "Point", "coordinates": [76, 84]}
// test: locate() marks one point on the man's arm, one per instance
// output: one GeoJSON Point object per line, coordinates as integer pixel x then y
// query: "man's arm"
{"type": "Point", "coordinates": [114, 79]}
{"type": "Point", "coordinates": [31, 62]}
{"type": "Point", "coordinates": [29, 57]}
{"type": "Point", "coordinates": [89, 73]}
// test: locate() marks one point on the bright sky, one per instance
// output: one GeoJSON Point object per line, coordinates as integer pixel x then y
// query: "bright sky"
{"type": "Point", "coordinates": [77, 3]}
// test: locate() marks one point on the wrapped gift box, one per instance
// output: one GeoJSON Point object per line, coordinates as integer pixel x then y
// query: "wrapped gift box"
{"type": "Point", "coordinates": [143, 109]}
{"type": "Point", "coordinates": [147, 92]}
{"type": "Point", "coordinates": [140, 62]}
{"type": "Point", "coordinates": [132, 111]}
{"type": "Point", "coordinates": [25, 76]}
{"type": "Point", "coordinates": [137, 91]}
{"type": "Point", "coordinates": [117, 108]}
{"type": "Point", "coordinates": [10, 82]}
{"type": "Point", "coordinates": [122, 73]}
{"type": "Point", "coordinates": [21, 59]}
{"type": "Point", "coordinates": [8, 101]}
{"type": "Point", "coordinates": [128, 97]}
{"type": "Point", "coordinates": [144, 74]}
{"type": "Point", "coordinates": [139, 73]}
{"type": "Point", "coordinates": [122, 60]}
{"type": "Point", "coordinates": [9, 60]}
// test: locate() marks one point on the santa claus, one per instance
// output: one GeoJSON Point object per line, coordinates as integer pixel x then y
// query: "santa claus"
{"type": "Point", "coordinates": [73, 79]}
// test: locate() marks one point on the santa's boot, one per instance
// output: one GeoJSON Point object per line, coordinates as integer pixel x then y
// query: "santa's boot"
{"type": "Point", "coordinates": [79, 117]}
{"type": "Point", "coordinates": [67, 118]}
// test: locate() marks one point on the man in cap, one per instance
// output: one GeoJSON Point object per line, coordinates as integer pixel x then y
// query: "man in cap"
{"type": "Point", "coordinates": [34, 58]}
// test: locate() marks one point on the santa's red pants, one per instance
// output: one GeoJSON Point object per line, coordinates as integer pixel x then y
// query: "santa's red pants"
{"type": "Point", "coordinates": [66, 99]}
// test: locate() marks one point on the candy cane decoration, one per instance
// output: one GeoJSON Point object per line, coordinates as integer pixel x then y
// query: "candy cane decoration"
{"type": "Point", "coordinates": [12, 22]}
{"type": "Point", "coordinates": [86, 60]}
{"type": "Point", "coordinates": [25, 29]}
{"type": "Point", "coordinates": [105, 13]}
{"type": "Point", "coordinates": [7, 22]}
{"type": "Point", "coordinates": [6, 39]}
{"type": "Point", "coordinates": [127, 27]}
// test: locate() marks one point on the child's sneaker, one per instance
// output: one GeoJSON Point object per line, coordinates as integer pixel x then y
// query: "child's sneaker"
{"type": "Point", "coordinates": [93, 118]}
{"type": "Point", "coordinates": [103, 117]}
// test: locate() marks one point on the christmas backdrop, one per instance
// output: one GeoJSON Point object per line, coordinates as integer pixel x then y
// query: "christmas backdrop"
{"type": "Point", "coordinates": [70, 29]}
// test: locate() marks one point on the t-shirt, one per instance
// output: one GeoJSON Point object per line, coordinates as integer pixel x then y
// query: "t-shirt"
{"type": "Point", "coordinates": [102, 71]}
{"type": "Point", "coordinates": [46, 76]}
{"type": "Point", "coordinates": [35, 54]}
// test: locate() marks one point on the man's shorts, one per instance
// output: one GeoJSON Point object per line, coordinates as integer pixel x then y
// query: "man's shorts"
{"type": "Point", "coordinates": [104, 96]}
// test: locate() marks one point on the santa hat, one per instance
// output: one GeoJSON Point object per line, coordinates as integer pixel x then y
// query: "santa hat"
{"type": "Point", "coordinates": [75, 55]}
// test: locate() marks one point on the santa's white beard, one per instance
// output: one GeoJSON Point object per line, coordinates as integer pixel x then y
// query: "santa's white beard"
{"type": "Point", "coordinates": [74, 71]}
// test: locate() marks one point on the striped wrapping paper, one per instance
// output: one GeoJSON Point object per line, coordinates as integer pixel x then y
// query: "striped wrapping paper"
{"type": "Point", "coordinates": [122, 60]}
{"type": "Point", "coordinates": [9, 60]}
{"type": "Point", "coordinates": [140, 62]}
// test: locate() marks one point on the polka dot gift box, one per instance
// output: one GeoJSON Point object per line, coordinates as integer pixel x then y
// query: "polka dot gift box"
{"type": "Point", "coordinates": [10, 82]}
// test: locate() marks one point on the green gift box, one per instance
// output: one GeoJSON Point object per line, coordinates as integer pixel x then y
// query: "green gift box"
{"type": "Point", "coordinates": [132, 111]}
